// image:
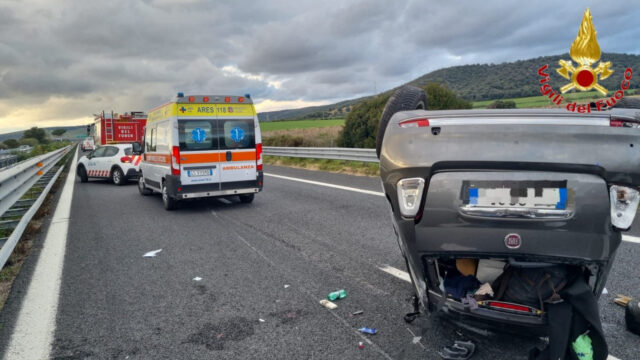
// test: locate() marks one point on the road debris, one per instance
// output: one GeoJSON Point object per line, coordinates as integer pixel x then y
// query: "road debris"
{"type": "Point", "coordinates": [366, 330]}
{"type": "Point", "coordinates": [360, 345]}
{"type": "Point", "coordinates": [340, 294]}
{"type": "Point", "coordinates": [197, 278]}
{"type": "Point", "coordinates": [622, 300]}
{"type": "Point", "coordinates": [328, 304]}
{"type": "Point", "coordinates": [605, 291]}
{"type": "Point", "coordinates": [460, 350]}
{"type": "Point", "coordinates": [152, 253]}
{"type": "Point", "coordinates": [583, 348]}
{"type": "Point", "coordinates": [286, 286]}
{"type": "Point", "coordinates": [359, 312]}
{"type": "Point", "coordinates": [261, 320]}
{"type": "Point", "coordinates": [416, 339]}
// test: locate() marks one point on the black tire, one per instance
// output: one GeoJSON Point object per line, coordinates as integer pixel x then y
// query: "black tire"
{"type": "Point", "coordinates": [168, 202]}
{"type": "Point", "coordinates": [246, 198]}
{"type": "Point", "coordinates": [82, 173]}
{"type": "Point", "coordinates": [632, 316]}
{"type": "Point", "coordinates": [406, 98]}
{"type": "Point", "coordinates": [117, 177]}
{"type": "Point", "coordinates": [627, 103]}
{"type": "Point", "coordinates": [142, 188]}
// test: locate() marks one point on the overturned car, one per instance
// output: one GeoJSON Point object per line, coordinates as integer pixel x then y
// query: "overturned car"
{"type": "Point", "coordinates": [497, 211]}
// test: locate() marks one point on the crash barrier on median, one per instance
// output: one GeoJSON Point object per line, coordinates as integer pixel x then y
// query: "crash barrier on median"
{"type": "Point", "coordinates": [353, 154]}
{"type": "Point", "coordinates": [16, 182]}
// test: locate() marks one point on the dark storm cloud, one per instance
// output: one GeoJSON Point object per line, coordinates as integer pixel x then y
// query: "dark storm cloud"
{"type": "Point", "coordinates": [127, 53]}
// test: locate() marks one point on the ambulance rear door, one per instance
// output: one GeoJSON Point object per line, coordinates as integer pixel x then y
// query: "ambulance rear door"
{"type": "Point", "coordinates": [237, 152]}
{"type": "Point", "coordinates": [199, 152]}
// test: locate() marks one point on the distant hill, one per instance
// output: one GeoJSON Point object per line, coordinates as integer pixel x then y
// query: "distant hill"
{"type": "Point", "coordinates": [72, 132]}
{"type": "Point", "coordinates": [482, 82]}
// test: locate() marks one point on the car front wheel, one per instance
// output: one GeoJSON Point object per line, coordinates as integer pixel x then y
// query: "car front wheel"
{"type": "Point", "coordinates": [117, 176]}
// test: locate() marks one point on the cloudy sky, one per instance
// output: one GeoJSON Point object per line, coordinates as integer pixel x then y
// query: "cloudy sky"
{"type": "Point", "coordinates": [62, 60]}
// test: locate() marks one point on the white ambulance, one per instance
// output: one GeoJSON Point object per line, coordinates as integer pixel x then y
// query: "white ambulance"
{"type": "Point", "coordinates": [201, 146]}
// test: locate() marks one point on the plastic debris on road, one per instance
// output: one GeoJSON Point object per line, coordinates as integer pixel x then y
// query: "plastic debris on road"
{"type": "Point", "coordinates": [340, 294]}
{"type": "Point", "coordinates": [197, 278]}
{"type": "Point", "coordinates": [583, 348]}
{"type": "Point", "coordinates": [261, 320]}
{"type": "Point", "coordinates": [359, 312]}
{"type": "Point", "coordinates": [460, 350]}
{"type": "Point", "coordinates": [152, 253]}
{"type": "Point", "coordinates": [286, 286]}
{"type": "Point", "coordinates": [366, 330]}
{"type": "Point", "coordinates": [360, 345]}
{"type": "Point", "coordinates": [416, 339]}
{"type": "Point", "coordinates": [328, 304]}
{"type": "Point", "coordinates": [605, 291]}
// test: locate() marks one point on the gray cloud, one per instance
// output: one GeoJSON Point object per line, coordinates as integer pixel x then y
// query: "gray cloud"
{"type": "Point", "coordinates": [135, 54]}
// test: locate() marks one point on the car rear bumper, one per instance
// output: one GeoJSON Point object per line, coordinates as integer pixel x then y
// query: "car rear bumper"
{"type": "Point", "coordinates": [132, 174]}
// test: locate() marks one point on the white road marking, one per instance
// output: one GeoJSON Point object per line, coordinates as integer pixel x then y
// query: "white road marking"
{"type": "Point", "coordinates": [611, 357]}
{"type": "Point", "coordinates": [402, 275]}
{"type": "Point", "coordinates": [629, 238]}
{"type": "Point", "coordinates": [33, 333]}
{"type": "Point", "coordinates": [369, 192]}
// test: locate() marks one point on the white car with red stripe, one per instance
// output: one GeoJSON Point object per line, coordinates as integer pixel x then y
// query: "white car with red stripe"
{"type": "Point", "coordinates": [114, 162]}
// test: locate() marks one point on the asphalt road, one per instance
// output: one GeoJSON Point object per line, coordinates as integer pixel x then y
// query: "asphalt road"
{"type": "Point", "coordinates": [264, 267]}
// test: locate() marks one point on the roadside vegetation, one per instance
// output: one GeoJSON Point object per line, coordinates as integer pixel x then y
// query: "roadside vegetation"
{"type": "Point", "coordinates": [34, 142]}
{"type": "Point", "coordinates": [336, 166]}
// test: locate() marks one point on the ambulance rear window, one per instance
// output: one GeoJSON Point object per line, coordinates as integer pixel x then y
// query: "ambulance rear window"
{"type": "Point", "coordinates": [237, 134]}
{"type": "Point", "coordinates": [197, 135]}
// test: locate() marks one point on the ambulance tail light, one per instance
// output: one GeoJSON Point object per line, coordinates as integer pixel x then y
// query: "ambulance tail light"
{"type": "Point", "coordinates": [259, 157]}
{"type": "Point", "coordinates": [175, 161]}
{"type": "Point", "coordinates": [125, 159]}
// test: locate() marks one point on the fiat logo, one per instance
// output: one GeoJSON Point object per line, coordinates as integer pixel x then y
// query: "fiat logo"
{"type": "Point", "coordinates": [512, 241]}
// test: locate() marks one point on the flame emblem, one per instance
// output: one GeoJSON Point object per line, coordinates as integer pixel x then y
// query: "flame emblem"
{"type": "Point", "coordinates": [585, 51]}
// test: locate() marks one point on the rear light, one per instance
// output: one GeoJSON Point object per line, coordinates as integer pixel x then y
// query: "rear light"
{"type": "Point", "coordinates": [414, 123]}
{"type": "Point", "coordinates": [628, 123]}
{"type": "Point", "coordinates": [624, 204]}
{"type": "Point", "coordinates": [259, 157]}
{"type": "Point", "coordinates": [125, 159]}
{"type": "Point", "coordinates": [409, 196]}
{"type": "Point", "coordinates": [512, 307]}
{"type": "Point", "coordinates": [175, 161]}
{"type": "Point", "coordinates": [240, 99]}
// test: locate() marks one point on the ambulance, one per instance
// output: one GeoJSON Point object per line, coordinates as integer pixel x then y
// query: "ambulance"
{"type": "Point", "coordinates": [201, 146]}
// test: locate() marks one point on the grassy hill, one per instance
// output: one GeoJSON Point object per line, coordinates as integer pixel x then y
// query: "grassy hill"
{"type": "Point", "coordinates": [482, 82]}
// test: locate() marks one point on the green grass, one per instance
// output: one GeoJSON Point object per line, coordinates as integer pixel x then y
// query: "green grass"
{"type": "Point", "coordinates": [541, 101]}
{"type": "Point", "coordinates": [338, 166]}
{"type": "Point", "coordinates": [299, 124]}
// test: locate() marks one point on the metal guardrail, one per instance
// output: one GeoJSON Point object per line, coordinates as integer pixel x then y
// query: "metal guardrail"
{"type": "Point", "coordinates": [353, 154]}
{"type": "Point", "coordinates": [15, 182]}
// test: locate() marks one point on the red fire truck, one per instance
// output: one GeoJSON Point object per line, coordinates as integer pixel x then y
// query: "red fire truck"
{"type": "Point", "coordinates": [112, 128]}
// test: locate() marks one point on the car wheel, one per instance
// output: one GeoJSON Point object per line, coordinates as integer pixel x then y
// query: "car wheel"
{"type": "Point", "coordinates": [168, 202]}
{"type": "Point", "coordinates": [82, 172]}
{"type": "Point", "coordinates": [632, 316]}
{"type": "Point", "coordinates": [406, 98]}
{"type": "Point", "coordinates": [142, 188]}
{"type": "Point", "coordinates": [117, 176]}
{"type": "Point", "coordinates": [246, 198]}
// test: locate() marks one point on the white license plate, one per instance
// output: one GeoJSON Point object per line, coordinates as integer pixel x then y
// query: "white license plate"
{"type": "Point", "coordinates": [547, 198]}
{"type": "Point", "coordinates": [200, 172]}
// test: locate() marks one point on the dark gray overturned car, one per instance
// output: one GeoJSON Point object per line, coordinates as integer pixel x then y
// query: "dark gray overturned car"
{"type": "Point", "coordinates": [528, 188]}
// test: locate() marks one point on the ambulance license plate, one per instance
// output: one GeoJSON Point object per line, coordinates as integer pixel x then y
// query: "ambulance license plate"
{"type": "Point", "coordinates": [200, 172]}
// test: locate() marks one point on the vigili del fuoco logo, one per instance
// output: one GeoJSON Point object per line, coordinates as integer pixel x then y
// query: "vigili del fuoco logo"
{"type": "Point", "coordinates": [585, 51]}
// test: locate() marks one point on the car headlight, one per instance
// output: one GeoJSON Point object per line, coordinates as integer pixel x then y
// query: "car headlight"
{"type": "Point", "coordinates": [409, 196]}
{"type": "Point", "coordinates": [624, 204]}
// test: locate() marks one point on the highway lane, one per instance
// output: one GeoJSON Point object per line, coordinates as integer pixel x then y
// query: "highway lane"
{"type": "Point", "coordinates": [116, 304]}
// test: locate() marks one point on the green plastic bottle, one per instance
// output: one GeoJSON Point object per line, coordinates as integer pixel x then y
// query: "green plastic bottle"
{"type": "Point", "coordinates": [340, 294]}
